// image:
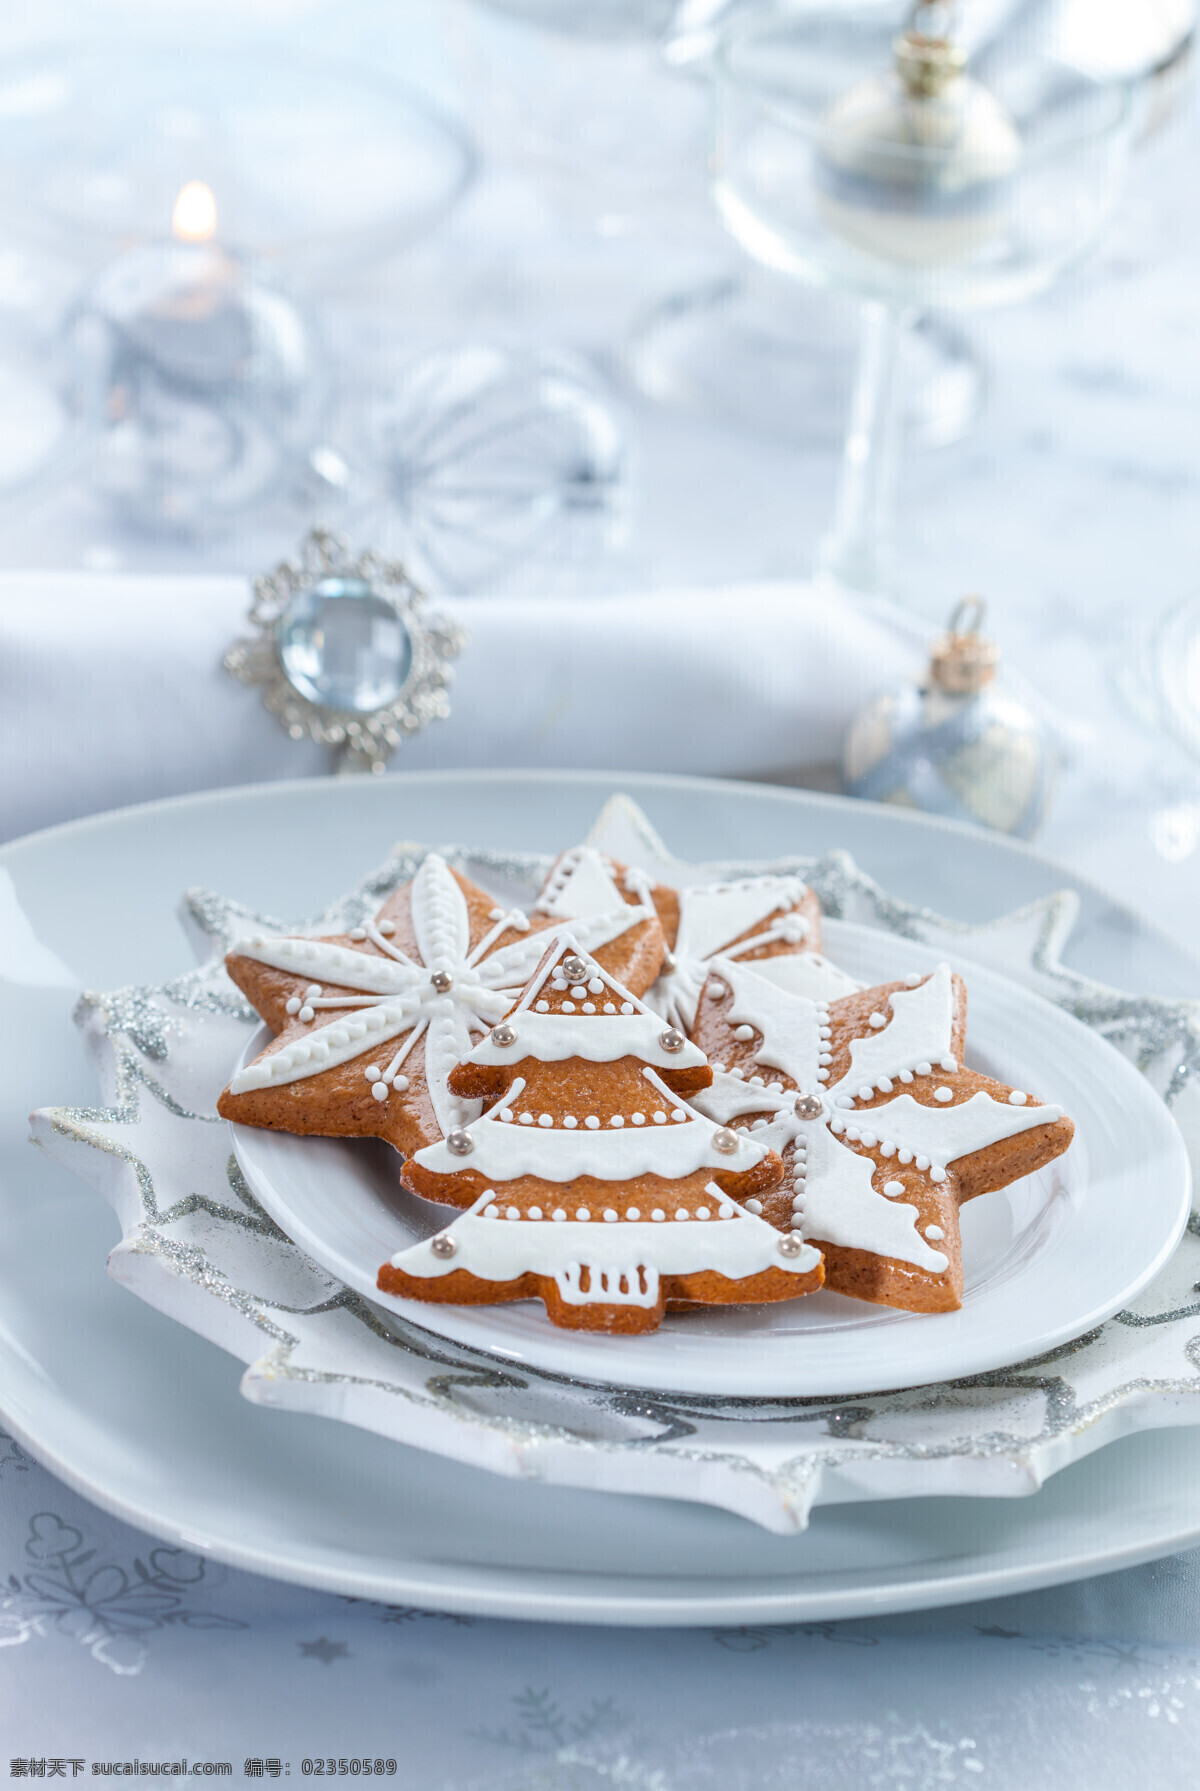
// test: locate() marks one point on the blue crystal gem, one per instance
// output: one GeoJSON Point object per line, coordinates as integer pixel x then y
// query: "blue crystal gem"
{"type": "Point", "coordinates": [344, 646]}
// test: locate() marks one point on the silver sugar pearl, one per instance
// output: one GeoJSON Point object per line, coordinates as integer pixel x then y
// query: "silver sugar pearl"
{"type": "Point", "coordinates": [725, 1140]}
{"type": "Point", "coordinates": [790, 1244]}
{"type": "Point", "coordinates": [442, 981]}
{"type": "Point", "coordinates": [670, 963]}
{"type": "Point", "coordinates": [808, 1106]}
{"type": "Point", "coordinates": [459, 1143]}
{"type": "Point", "coordinates": [672, 1039]}
{"type": "Point", "coordinates": [443, 1244]}
{"type": "Point", "coordinates": [504, 1034]}
{"type": "Point", "coordinates": [574, 969]}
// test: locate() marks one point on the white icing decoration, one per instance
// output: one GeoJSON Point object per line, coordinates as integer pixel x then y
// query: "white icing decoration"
{"type": "Point", "coordinates": [735, 1245]}
{"type": "Point", "coordinates": [484, 984]}
{"type": "Point", "coordinates": [596, 1038]}
{"type": "Point", "coordinates": [504, 1153]}
{"type": "Point", "coordinates": [711, 919]}
{"type": "Point", "coordinates": [842, 1206]}
{"type": "Point", "coordinates": [920, 1032]}
{"type": "Point", "coordinates": [581, 884]}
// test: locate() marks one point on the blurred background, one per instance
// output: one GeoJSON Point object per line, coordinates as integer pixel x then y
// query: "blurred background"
{"type": "Point", "coordinates": [566, 299]}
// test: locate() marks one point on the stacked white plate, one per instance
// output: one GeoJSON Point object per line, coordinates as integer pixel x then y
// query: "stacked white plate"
{"type": "Point", "coordinates": [662, 1479]}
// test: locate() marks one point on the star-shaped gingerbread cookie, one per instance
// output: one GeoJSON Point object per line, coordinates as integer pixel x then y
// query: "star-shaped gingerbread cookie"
{"type": "Point", "coordinates": [884, 1131]}
{"type": "Point", "coordinates": [370, 1023]}
{"type": "Point", "coordinates": [772, 921]}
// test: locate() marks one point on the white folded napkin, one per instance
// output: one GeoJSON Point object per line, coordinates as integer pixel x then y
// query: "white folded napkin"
{"type": "Point", "coordinates": [112, 689]}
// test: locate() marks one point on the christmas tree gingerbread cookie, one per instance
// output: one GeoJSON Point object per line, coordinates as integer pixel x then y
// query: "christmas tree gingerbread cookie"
{"type": "Point", "coordinates": [883, 1130]}
{"type": "Point", "coordinates": [592, 1183]}
{"type": "Point", "coordinates": [370, 1023]}
{"type": "Point", "coordinates": [772, 921]}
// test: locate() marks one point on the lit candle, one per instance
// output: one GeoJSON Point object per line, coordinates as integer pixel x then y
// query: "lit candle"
{"type": "Point", "coordinates": [204, 371]}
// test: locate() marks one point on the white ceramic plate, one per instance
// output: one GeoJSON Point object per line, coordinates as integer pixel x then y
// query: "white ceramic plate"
{"type": "Point", "coordinates": [144, 1416]}
{"type": "Point", "coordinates": [1044, 1260]}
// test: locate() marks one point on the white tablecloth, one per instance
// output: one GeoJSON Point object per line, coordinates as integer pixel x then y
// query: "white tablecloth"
{"type": "Point", "coordinates": [1092, 1687]}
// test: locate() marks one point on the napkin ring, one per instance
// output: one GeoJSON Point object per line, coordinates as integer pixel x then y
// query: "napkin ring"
{"type": "Point", "coordinates": [346, 652]}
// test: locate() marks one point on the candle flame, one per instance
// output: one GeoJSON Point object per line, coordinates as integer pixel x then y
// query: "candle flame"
{"type": "Point", "coordinates": [194, 219]}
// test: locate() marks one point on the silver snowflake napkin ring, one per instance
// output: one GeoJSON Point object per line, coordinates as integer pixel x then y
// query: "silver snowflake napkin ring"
{"type": "Point", "coordinates": [346, 651]}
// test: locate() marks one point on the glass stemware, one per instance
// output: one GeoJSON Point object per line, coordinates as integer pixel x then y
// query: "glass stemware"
{"type": "Point", "coordinates": [826, 169]}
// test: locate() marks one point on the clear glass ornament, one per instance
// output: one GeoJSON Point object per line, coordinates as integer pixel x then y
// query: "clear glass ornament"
{"type": "Point", "coordinates": [479, 460]}
{"type": "Point", "coordinates": [958, 744]}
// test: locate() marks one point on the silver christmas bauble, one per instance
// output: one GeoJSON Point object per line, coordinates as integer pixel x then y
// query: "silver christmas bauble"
{"type": "Point", "coordinates": [916, 165]}
{"type": "Point", "coordinates": [957, 745]}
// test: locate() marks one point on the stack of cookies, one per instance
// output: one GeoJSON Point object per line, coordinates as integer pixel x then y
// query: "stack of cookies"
{"type": "Point", "coordinates": [642, 1099]}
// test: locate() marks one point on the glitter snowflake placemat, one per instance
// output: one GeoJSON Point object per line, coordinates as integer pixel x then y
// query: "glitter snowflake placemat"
{"type": "Point", "coordinates": [197, 1246]}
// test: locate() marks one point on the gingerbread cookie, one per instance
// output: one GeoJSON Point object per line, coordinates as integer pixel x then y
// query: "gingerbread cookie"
{"type": "Point", "coordinates": [592, 1184]}
{"type": "Point", "coordinates": [370, 1023]}
{"type": "Point", "coordinates": [772, 921]}
{"type": "Point", "coordinates": [883, 1130]}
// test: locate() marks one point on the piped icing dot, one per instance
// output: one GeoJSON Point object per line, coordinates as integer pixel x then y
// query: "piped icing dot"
{"type": "Point", "coordinates": [358, 934]}
{"type": "Point", "coordinates": [513, 1212]}
{"type": "Point", "coordinates": [906, 1075]}
{"type": "Point", "coordinates": [306, 1012]}
{"type": "Point", "coordinates": [583, 1214]}
{"type": "Point", "coordinates": [660, 1119]}
{"type": "Point", "coordinates": [633, 1212]}
{"type": "Point", "coordinates": [609, 1008]}
{"type": "Point", "coordinates": [754, 1206]}
{"type": "Point", "coordinates": [639, 1119]}
{"type": "Point", "coordinates": [570, 1121]}
{"type": "Point", "coordinates": [913, 978]}
{"type": "Point", "coordinates": [535, 1212]}
{"type": "Point", "coordinates": [544, 1119]}
{"type": "Point", "coordinates": [702, 1212]}
{"type": "Point", "coordinates": [611, 1215]}
{"type": "Point", "coordinates": [627, 1007]}
{"type": "Point", "coordinates": [678, 1114]}
{"type": "Point", "coordinates": [682, 1213]}
{"type": "Point", "coordinates": [558, 1215]}
{"type": "Point", "coordinates": [738, 1072]}
{"type": "Point", "coordinates": [943, 1094]}
{"type": "Point", "coordinates": [658, 1215]}
{"type": "Point", "coordinates": [717, 990]}
{"type": "Point", "coordinates": [541, 1007]}
{"type": "Point", "coordinates": [506, 1113]}
{"type": "Point", "coordinates": [877, 1020]}
{"type": "Point", "coordinates": [526, 1119]}
{"type": "Point", "coordinates": [744, 1033]}
{"type": "Point", "coordinates": [891, 1189]}
{"type": "Point", "coordinates": [924, 1069]}
{"type": "Point", "coordinates": [866, 1092]}
{"type": "Point", "coordinates": [591, 1122]}
{"type": "Point", "coordinates": [380, 1091]}
{"type": "Point", "coordinates": [400, 1084]}
{"type": "Point", "coordinates": [387, 928]}
{"type": "Point", "coordinates": [934, 1233]}
{"type": "Point", "coordinates": [617, 1120]}
{"type": "Point", "coordinates": [937, 1172]}
{"type": "Point", "coordinates": [568, 1007]}
{"type": "Point", "coordinates": [595, 987]}
{"type": "Point", "coordinates": [492, 1211]}
{"type": "Point", "coordinates": [725, 1210]}
{"type": "Point", "coordinates": [589, 1007]}
{"type": "Point", "coordinates": [372, 1072]}
{"type": "Point", "coordinates": [293, 1006]}
{"type": "Point", "coordinates": [904, 1156]}
{"type": "Point", "coordinates": [1017, 1099]}
{"type": "Point", "coordinates": [578, 991]}
{"type": "Point", "coordinates": [560, 983]}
